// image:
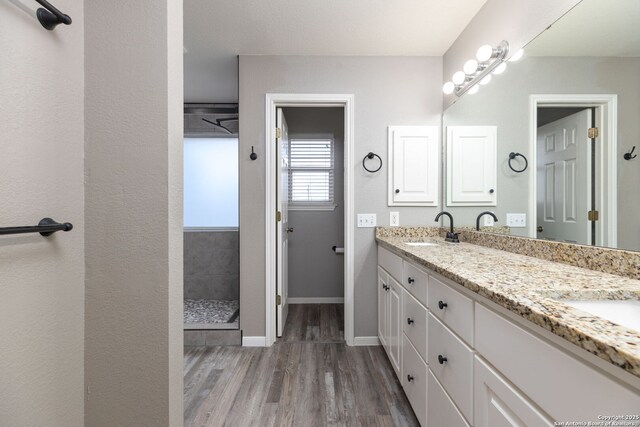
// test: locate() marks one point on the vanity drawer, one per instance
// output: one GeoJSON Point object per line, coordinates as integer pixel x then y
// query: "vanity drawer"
{"type": "Point", "coordinates": [451, 361]}
{"type": "Point", "coordinates": [562, 385]}
{"type": "Point", "coordinates": [440, 409]}
{"type": "Point", "coordinates": [414, 380]}
{"type": "Point", "coordinates": [415, 281]}
{"type": "Point", "coordinates": [414, 323]}
{"type": "Point", "coordinates": [454, 309]}
{"type": "Point", "coordinates": [391, 262]}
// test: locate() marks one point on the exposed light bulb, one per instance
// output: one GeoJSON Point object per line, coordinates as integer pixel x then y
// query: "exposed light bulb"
{"type": "Point", "coordinates": [448, 88]}
{"type": "Point", "coordinates": [500, 68]}
{"type": "Point", "coordinates": [459, 77]}
{"type": "Point", "coordinates": [484, 53]}
{"type": "Point", "coordinates": [470, 67]}
{"type": "Point", "coordinates": [486, 79]}
{"type": "Point", "coordinates": [516, 55]}
{"type": "Point", "coordinates": [473, 89]}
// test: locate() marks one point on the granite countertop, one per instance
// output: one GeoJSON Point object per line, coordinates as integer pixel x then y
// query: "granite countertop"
{"type": "Point", "coordinates": [533, 289]}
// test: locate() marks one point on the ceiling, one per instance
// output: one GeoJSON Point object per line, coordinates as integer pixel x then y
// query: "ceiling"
{"type": "Point", "coordinates": [593, 28]}
{"type": "Point", "coordinates": [216, 31]}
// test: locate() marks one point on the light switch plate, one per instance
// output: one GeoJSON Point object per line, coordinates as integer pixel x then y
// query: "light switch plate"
{"type": "Point", "coordinates": [516, 220]}
{"type": "Point", "coordinates": [394, 219]}
{"type": "Point", "coordinates": [366, 220]}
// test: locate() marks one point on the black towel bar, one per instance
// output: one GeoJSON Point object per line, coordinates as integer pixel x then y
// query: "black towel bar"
{"type": "Point", "coordinates": [50, 17]}
{"type": "Point", "coordinates": [46, 227]}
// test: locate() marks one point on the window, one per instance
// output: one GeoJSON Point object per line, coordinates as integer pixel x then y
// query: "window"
{"type": "Point", "coordinates": [211, 182]}
{"type": "Point", "coordinates": [311, 174]}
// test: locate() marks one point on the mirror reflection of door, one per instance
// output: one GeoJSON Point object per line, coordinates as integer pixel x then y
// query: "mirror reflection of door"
{"type": "Point", "coordinates": [565, 182]}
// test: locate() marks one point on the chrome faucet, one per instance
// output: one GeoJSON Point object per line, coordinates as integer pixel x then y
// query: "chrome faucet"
{"type": "Point", "coordinates": [451, 236]}
{"type": "Point", "coordinates": [495, 218]}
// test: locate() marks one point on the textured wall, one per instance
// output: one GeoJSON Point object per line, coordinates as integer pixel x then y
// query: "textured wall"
{"type": "Point", "coordinates": [505, 103]}
{"type": "Point", "coordinates": [387, 91]}
{"type": "Point", "coordinates": [133, 211]}
{"type": "Point", "coordinates": [211, 265]}
{"type": "Point", "coordinates": [41, 174]}
{"type": "Point", "coordinates": [314, 269]}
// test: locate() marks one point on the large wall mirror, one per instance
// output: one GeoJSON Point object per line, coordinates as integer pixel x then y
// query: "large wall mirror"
{"type": "Point", "coordinates": [580, 185]}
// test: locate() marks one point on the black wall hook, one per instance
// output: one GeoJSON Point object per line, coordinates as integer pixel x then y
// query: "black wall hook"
{"type": "Point", "coordinates": [628, 156]}
{"type": "Point", "coordinates": [512, 156]}
{"type": "Point", "coordinates": [370, 156]}
{"type": "Point", "coordinates": [253, 155]}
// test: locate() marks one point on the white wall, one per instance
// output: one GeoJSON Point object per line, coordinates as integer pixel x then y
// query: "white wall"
{"type": "Point", "coordinates": [41, 175]}
{"type": "Point", "coordinates": [517, 21]}
{"type": "Point", "coordinates": [133, 191]}
{"type": "Point", "coordinates": [388, 91]}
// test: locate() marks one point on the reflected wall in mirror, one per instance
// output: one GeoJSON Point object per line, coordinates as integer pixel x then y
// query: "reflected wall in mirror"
{"type": "Point", "coordinates": [583, 72]}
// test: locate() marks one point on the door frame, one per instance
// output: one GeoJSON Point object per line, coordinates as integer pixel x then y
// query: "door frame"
{"type": "Point", "coordinates": [272, 102]}
{"type": "Point", "coordinates": [607, 162]}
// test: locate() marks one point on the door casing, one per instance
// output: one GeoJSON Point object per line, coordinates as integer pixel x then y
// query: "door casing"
{"type": "Point", "coordinates": [272, 102]}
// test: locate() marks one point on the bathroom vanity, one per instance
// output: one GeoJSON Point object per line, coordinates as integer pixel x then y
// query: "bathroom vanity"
{"type": "Point", "coordinates": [484, 337]}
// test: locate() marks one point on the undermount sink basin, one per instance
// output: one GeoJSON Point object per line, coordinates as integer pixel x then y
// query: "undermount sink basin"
{"type": "Point", "coordinates": [624, 313]}
{"type": "Point", "coordinates": [421, 244]}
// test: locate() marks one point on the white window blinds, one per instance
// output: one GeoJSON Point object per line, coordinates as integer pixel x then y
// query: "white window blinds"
{"type": "Point", "coordinates": [311, 173]}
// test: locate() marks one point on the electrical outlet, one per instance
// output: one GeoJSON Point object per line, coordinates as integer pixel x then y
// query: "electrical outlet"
{"type": "Point", "coordinates": [488, 221]}
{"type": "Point", "coordinates": [516, 220]}
{"type": "Point", "coordinates": [366, 220]}
{"type": "Point", "coordinates": [394, 219]}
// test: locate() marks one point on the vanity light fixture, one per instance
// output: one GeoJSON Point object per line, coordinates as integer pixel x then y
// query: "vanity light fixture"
{"type": "Point", "coordinates": [489, 60]}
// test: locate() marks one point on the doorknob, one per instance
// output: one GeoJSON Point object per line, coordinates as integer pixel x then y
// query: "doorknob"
{"type": "Point", "coordinates": [540, 229]}
{"type": "Point", "coordinates": [289, 229]}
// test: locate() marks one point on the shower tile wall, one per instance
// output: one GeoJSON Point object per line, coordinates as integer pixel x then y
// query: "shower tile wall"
{"type": "Point", "coordinates": [211, 265]}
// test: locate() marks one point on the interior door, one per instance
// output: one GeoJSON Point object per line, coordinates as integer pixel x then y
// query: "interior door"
{"type": "Point", "coordinates": [564, 179]}
{"type": "Point", "coordinates": [283, 229]}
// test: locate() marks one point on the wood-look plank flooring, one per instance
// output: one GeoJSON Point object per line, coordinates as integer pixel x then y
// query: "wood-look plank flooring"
{"type": "Point", "coordinates": [308, 378]}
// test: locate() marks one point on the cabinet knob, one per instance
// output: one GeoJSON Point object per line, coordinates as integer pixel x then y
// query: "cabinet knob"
{"type": "Point", "coordinates": [491, 191]}
{"type": "Point", "coordinates": [540, 229]}
{"type": "Point", "coordinates": [397, 190]}
{"type": "Point", "coordinates": [442, 305]}
{"type": "Point", "coordinates": [385, 287]}
{"type": "Point", "coordinates": [410, 280]}
{"type": "Point", "coordinates": [409, 320]}
{"type": "Point", "coordinates": [441, 359]}
{"type": "Point", "coordinates": [409, 378]}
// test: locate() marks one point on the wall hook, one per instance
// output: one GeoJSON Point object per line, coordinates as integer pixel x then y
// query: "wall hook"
{"type": "Point", "coordinates": [253, 155]}
{"type": "Point", "coordinates": [628, 156]}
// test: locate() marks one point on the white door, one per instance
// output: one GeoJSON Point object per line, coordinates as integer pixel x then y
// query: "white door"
{"type": "Point", "coordinates": [563, 180]}
{"type": "Point", "coordinates": [395, 325]}
{"type": "Point", "coordinates": [471, 166]}
{"type": "Point", "coordinates": [413, 166]}
{"type": "Point", "coordinates": [282, 225]}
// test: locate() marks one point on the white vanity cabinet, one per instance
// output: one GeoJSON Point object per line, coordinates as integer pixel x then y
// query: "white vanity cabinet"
{"type": "Point", "coordinates": [462, 363]}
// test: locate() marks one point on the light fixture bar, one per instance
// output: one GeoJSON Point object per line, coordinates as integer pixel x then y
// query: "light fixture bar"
{"type": "Point", "coordinates": [502, 52]}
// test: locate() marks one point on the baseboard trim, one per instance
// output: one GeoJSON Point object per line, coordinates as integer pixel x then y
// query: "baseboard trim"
{"type": "Point", "coordinates": [365, 341]}
{"type": "Point", "coordinates": [319, 300]}
{"type": "Point", "coordinates": [254, 341]}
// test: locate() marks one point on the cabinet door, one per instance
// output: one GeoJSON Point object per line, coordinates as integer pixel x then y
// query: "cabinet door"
{"type": "Point", "coordinates": [383, 308]}
{"type": "Point", "coordinates": [498, 404]}
{"type": "Point", "coordinates": [395, 325]}
{"type": "Point", "coordinates": [413, 166]}
{"type": "Point", "coordinates": [471, 166]}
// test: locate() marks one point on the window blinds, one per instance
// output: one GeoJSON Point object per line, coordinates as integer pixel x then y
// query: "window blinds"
{"type": "Point", "coordinates": [311, 174]}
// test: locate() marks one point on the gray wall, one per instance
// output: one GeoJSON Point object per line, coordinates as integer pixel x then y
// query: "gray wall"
{"type": "Point", "coordinates": [505, 103]}
{"type": "Point", "coordinates": [211, 265]}
{"type": "Point", "coordinates": [518, 22]}
{"type": "Point", "coordinates": [41, 175]}
{"type": "Point", "coordinates": [387, 91]}
{"type": "Point", "coordinates": [314, 269]}
{"type": "Point", "coordinates": [133, 210]}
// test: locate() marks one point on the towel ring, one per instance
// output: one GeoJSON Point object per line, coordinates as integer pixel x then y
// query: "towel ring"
{"type": "Point", "coordinates": [370, 156]}
{"type": "Point", "coordinates": [512, 156]}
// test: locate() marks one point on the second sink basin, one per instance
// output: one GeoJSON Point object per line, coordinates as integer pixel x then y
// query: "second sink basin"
{"type": "Point", "coordinates": [622, 312]}
{"type": "Point", "coordinates": [421, 244]}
